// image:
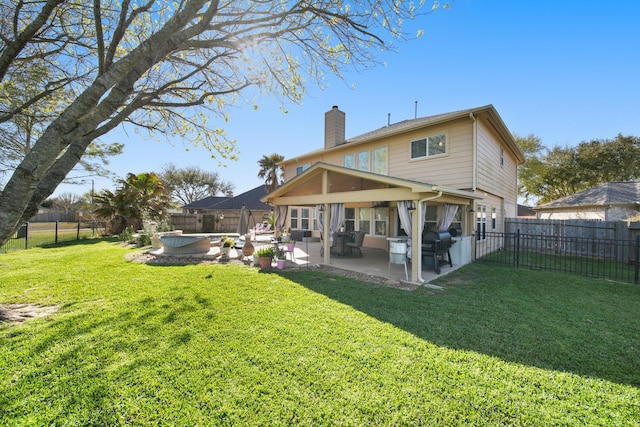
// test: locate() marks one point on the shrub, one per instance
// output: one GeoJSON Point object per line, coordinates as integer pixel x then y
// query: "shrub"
{"type": "Point", "coordinates": [126, 235]}
{"type": "Point", "coordinates": [266, 252]}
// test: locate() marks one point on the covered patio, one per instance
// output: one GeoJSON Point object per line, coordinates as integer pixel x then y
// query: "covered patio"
{"type": "Point", "coordinates": [374, 262]}
{"type": "Point", "coordinates": [329, 187]}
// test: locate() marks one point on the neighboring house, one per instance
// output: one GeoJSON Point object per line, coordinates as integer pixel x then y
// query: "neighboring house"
{"type": "Point", "coordinates": [222, 214]}
{"type": "Point", "coordinates": [203, 205]}
{"type": "Point", "coordinates": [526, 212]}
{"type": "Point", "coordinates": [462, 165]}
{"type": "Point", "coordinates": [613, 201]}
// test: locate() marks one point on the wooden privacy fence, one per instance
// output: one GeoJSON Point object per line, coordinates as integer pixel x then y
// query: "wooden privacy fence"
{"type": "Point", "coordinates": [209, 223]}
{"type": "Point", "coordinates": [590, 229]}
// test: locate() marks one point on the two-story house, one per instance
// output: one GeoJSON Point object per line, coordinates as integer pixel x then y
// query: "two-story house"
{"type": "Point", "coordinates": [452, 170]}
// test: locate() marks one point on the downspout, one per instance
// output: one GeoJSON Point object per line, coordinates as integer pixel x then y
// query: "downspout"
{"type": "Point", "coordinates": [420, 279]}
{"type": "Point", "coordinates": [474, 166]}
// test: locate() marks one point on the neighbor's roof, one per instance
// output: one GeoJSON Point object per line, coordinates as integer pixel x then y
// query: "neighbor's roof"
{"type": "Point", "coordinates": [205, 203]}
{"type": "Point", "coordinates": [408, 125]}
{"type": "Point", "coordinates": [250, 199]}
{"type": "Point", "coordinates": [611, 193]}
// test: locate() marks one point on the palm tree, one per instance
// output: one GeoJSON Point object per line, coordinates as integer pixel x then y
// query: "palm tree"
{"type": "Point", "coordinates": [271, 171]}
{"type": "Point", "coordinates": [140, 196]}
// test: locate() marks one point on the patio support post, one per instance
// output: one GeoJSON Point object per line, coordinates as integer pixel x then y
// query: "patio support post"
{"type": "Point", "coordinates": [326, 234]}
{"type": "Point", "coordinates": [416, 244]}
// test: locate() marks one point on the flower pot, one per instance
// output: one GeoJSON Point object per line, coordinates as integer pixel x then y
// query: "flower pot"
{"type": "Point", "coordinates": [291, 247]}
{"type": "Point", "coordinates": [265, 263]}
{"type": "Point", "coordinates": [281, 264]}
{"type": "Point", "coordinates": [256, 260]}
{"type": "Point", "coordinates": [224, 251]}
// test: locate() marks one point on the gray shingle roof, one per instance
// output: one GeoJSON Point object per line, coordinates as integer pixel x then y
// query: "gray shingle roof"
{"type": "Point", "coordinates": [611, 193]}
{"type": "Point", "coordinates": [205, 203]}
{"type": "Point", "coordinates": [411, 123]}
{"type": "Point", "coordinates": [250, 199]}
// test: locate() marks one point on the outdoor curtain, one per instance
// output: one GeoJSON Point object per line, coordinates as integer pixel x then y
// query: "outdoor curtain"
{"type": "Point", "coordinates": [337, 217]}
{"type": "Point", "coordinates": [281, 218]}
{"type": "Point", "coordinates": [405, 220]}
{"type": "Point", "coordinates": [448, 213]}
{"type": "Point", "coordinates": [320, 209]}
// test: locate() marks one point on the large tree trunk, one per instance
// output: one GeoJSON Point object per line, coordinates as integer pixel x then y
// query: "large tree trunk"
{"type": "Point", "coordinates": [93, 113]}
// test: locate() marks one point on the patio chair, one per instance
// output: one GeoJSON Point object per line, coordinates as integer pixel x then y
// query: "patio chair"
{"type": "Point", "coordinates": [356, 244]}
{"type": "Point", "coordinates": [265, 229]}
{"type": "Point", "coordinates": [337, 248]}
{"type": "Point", "coordinates": [334, 249]}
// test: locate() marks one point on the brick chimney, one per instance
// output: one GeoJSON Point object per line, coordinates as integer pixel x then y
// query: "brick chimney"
{"type": "Point", "coordinates": [334, 127]}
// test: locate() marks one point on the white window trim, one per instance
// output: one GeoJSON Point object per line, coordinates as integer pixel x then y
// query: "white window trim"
{"type": "Point", "coordinates": [426, 138]}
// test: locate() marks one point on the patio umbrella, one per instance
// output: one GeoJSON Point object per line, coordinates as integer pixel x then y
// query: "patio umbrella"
{"type": "Point", "coordinates": [243, 227]}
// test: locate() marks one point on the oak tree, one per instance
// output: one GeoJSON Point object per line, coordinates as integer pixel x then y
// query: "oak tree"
{"type": "Point", "coordinates": [550, 174]}
{"type": "Point", "coordinates": [192, 183]}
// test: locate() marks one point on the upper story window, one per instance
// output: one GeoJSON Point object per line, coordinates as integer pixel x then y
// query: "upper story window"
{"type": "Point", "coordinates": [429, 146]}
{"type": "Point", "coordinates": [368, 161]}
{"type": "Point", "coordinates": [363, 161]}
{"type": "Point", "coordinates": [348, 161]}
{"type": "Point", "coordinates": [302, 168]}
{"type": "Point", "coordinates": [380, 160]}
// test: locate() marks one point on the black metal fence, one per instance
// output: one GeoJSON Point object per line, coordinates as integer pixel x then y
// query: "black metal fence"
{"type": "Point", "coordinates": [32, 234]}
{"type": "Point", "coordinates": [603, 258]}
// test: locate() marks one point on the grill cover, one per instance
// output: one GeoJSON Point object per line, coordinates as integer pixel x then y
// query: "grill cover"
{"type": "Point", "coordinates": [455, 231]}
{"type": "Point", "coordinates": [436, 241]}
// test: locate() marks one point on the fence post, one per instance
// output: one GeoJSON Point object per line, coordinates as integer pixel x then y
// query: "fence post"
{"type": "Point", "coordinates": [56, 238]}
{"type": "Point", "coordinates": [637, 266]}
{"type": "Point", "coordinates": [517, 252]}
{"type": "Point", "coordinates": [78, 232]}
{"type": "Point", "coordinates": [26, 235]}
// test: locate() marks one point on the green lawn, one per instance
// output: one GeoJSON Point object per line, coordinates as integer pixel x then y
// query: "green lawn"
{"type": "Point", "coordinates": [134, 344]}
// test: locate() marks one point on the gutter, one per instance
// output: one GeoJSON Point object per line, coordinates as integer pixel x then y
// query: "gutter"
{"type": "Point", "coordinates": [418, 211]}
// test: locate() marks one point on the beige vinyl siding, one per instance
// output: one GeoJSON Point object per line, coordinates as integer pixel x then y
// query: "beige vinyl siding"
{"type": "Point", "coordinates": [492, 202]}
{"type": "Point", "coordinates": [334, 158]}
{"type": "Point", "coordinates": [493, 177]}
{"type": "Point", "coordinates": [453, 169]}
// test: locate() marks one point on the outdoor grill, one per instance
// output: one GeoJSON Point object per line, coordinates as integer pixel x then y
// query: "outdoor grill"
{"type": "Point", "coordinates": [435, 244]}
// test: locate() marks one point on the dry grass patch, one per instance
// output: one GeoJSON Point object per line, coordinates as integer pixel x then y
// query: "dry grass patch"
{"type": "Point", "coordinates": [18, 313]}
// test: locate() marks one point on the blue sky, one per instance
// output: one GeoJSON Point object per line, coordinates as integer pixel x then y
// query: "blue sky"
{"type": "Point", "coordinates": [565, 71]}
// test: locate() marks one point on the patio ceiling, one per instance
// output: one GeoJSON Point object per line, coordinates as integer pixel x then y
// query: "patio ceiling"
{"type": "Point", "coordinates": [326, 183]}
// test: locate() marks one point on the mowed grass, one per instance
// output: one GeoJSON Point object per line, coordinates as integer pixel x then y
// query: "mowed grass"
{"type": "Point", "coordinates": [134, 344]}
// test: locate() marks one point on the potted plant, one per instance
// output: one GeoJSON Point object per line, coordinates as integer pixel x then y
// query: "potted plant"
{"type": "Point", "coordinates": [226, 243]}
{"type": "Point", "coordinates": [266, 254]}
{"type": "Point", "coordinates": [291, 244]}
{"type": "Point", "coordinates": [280, 259]}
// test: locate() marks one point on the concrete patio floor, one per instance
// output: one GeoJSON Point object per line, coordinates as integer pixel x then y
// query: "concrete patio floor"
{"type": "Point", "coordinates": [374, 262]}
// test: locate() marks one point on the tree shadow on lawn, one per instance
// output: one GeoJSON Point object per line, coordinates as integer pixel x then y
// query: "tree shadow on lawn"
{"type": "Point", "coordinates": [576, 326]}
